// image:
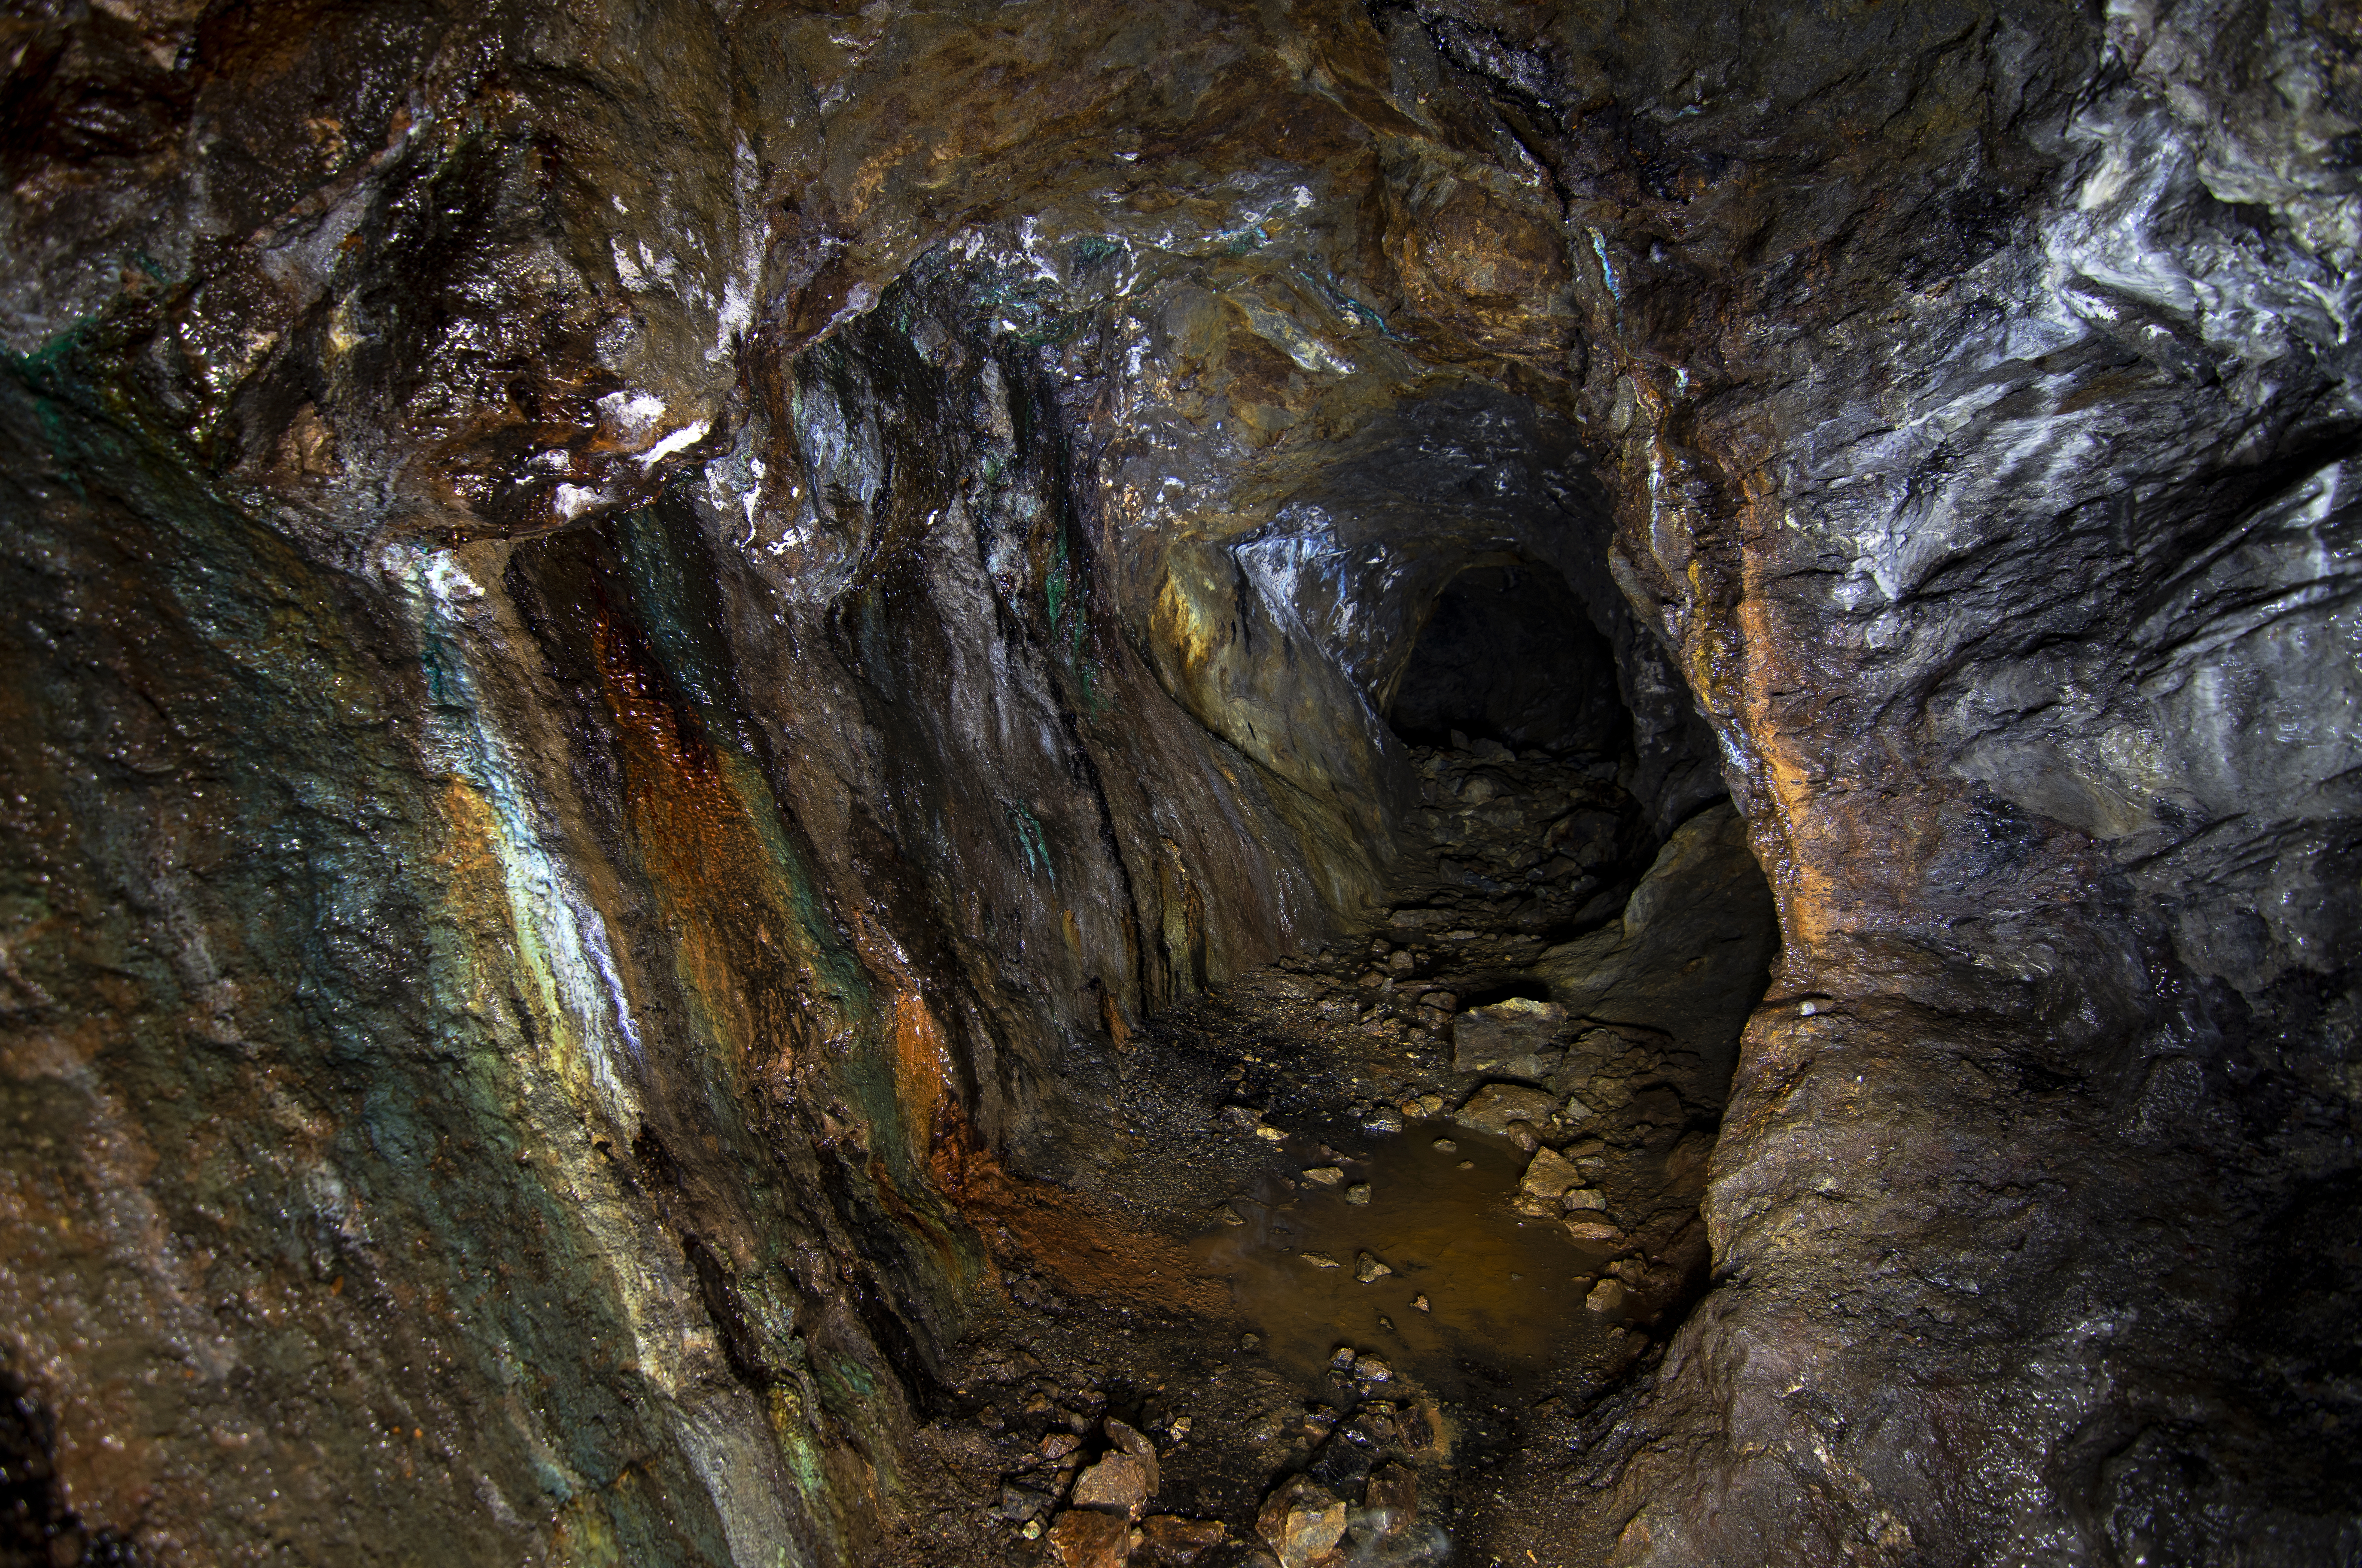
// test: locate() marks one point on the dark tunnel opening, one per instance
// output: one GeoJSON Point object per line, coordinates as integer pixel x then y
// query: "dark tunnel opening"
{"type": "Point", "coordinates": [1509, 654]}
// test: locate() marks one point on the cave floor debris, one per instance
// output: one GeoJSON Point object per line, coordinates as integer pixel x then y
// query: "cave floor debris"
{"type": "Point", "coordinates": [1400, 1222]}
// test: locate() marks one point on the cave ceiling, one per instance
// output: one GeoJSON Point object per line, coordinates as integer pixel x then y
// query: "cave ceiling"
{"type": "Point", "coordinates": [711, 712]}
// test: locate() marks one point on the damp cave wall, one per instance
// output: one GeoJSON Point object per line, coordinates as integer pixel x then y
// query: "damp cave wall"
{"type": "Point", "coordinates": [625, 628]}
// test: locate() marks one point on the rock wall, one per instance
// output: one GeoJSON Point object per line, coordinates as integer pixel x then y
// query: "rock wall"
{"type": "Point", "coordinates": [630, 630]}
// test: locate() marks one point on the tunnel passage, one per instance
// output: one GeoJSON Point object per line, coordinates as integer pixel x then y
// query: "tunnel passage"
{"type": "Point", "coordinates": [1443, 1174]}
{"type": "Point", "coordinates": [1508, 653]}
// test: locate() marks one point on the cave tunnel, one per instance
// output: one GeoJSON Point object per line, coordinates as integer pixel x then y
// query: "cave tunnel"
{"type": "Point", "coordinates": [1348, 786]}
{"type": "Point", "coordinates": [1508, 653]}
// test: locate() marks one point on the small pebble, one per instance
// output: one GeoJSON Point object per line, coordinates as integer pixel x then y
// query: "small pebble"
{"type": "Point", "coordinates": [1357, 1193]}
{"type": "Point", "coordinates": [1420, 1302]}
{"type": "Point", "coordinates": [1446, 1146]}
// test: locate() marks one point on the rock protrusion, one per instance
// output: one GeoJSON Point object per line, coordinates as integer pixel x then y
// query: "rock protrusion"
{"type": "Point", "coordinates": [1514, 1039]}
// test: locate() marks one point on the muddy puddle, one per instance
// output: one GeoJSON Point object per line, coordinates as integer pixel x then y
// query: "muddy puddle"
{"type": "Point", "coordinates": [1502, 1293]}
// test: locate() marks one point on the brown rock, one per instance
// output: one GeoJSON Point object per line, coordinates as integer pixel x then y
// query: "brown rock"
{"type": "Point", "coordinates": [1084, 1538]}
{"type": "Point", "coordinates": [1547, 1179]}
{"type": "Point", "coordinates": [1302, 1520]}
{"type": "Point", "coordinates": [1171, 1541]}
{"type": "Point", "coordinates": [1497, 1108]}
{"type": "Point", "coordinates": [1606, 1297]}
{"type": "Point", "coordinates": [1141, 1451]}
{"type": "Point", "coordinates": [1391, 1498]}
{"type": "Point", "coordinates": [1117, 1483]}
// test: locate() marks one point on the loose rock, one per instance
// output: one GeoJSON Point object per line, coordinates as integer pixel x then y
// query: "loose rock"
{"type": "Point", "coordinates": [1171, 1541]}
{"type": "Point", "coordinates": [1497, 1109]}
{"type": "Point", "coordinates": [1390, 1499]}
{"type": "Point", "coordinates": [1547, 1179]}
{"type": "Point", "coordinates": [1117, 1482]}
{"type": "Point", "coordinates": [1302, 1519]}
{"type": "Point", "coordinates": [1139, 1450]}
{"type": "Point", "coordinates": [1084, 1538]}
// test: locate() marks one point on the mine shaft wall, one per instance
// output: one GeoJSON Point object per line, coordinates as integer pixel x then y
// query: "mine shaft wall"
{"type": "Point", "coordinates": [611, 651]}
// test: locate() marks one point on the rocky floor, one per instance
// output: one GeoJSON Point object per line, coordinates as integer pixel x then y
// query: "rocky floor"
{"type": "Point", "coordinates": [1367, 1234]}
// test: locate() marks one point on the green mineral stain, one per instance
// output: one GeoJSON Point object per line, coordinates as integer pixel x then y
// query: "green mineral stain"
{"type": "Point", "coordinates": [1031, 844]}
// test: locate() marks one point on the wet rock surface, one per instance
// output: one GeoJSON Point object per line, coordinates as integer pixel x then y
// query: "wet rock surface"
{"type": "Point", "coordinates": [1340, 1373]}
{"type": "Point", "coordinates": [722, 731]}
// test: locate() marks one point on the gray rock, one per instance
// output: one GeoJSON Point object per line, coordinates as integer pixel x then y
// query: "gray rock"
{"type": "Point", "coordinates": [1516, 1039]}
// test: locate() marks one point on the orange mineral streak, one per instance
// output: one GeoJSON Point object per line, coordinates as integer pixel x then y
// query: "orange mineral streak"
{"type": "Point", "coordinates": [922, 1068]}
{"type": "Point", "coordinates": [1800, 883]}
{"type": "Point", "coordinates": [711, 874]}
{"type": "Point", "coordinates": [1091, 1251]}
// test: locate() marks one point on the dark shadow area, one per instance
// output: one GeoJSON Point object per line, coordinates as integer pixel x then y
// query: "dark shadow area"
{"type": "Point", "coordinates": [38, 1529]}
{"type": "Point", "coordinates": [1526, 989]}
{"type": "Point", "coordinates": [1509, 654]}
